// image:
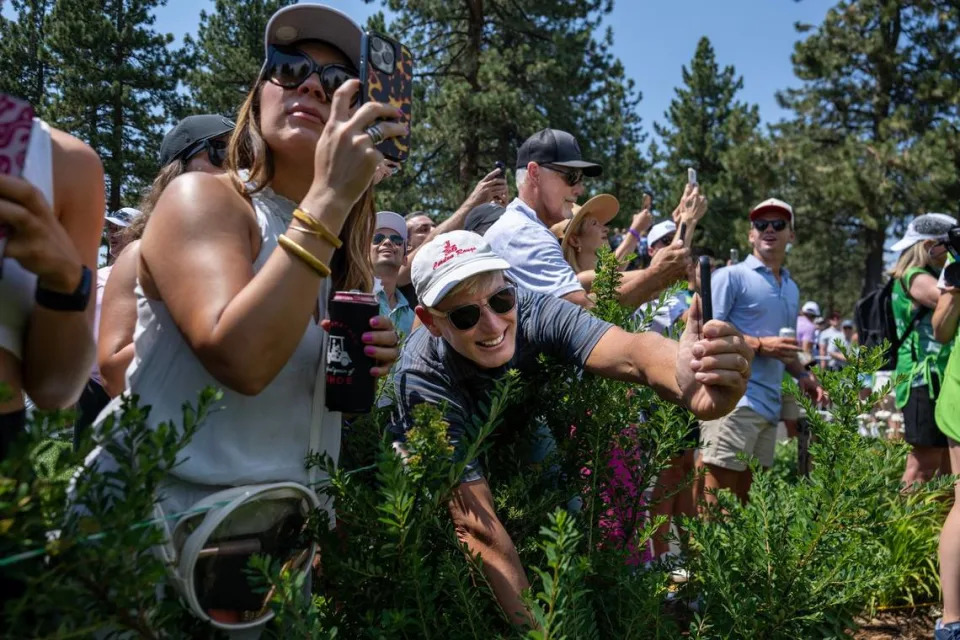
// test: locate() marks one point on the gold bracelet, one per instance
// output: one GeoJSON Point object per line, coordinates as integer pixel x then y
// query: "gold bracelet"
{"type": "Point", "coordinates": [308, 258]}
{"type": "Point", "coordinates": [317, 226]}
{"type": "Point", "coordinates": [309, 232]}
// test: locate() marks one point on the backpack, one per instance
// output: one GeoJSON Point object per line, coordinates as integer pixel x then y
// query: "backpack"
{"type": "Point", "coordinates": [873, 316]}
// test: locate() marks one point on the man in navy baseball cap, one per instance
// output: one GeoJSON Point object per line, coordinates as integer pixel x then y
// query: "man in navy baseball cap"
{"type": "Point", "coordinates": [555, 148]}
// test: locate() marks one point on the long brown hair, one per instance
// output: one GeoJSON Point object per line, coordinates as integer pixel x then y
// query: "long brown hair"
{"type": "Point", "coordinates": [150, 198]}
{"type": "Point", "coordinates": [350, 266]}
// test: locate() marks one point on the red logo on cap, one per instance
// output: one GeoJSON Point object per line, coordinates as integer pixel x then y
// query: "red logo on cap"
{"type": "Point", "coordinates": [451, 251]}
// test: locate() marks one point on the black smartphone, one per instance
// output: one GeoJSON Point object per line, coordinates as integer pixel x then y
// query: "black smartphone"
{"type": "Point", "coordinates": [706, 294]}
{"type": "Point", "coordinates": [386, 75]}
{"type": "Point", "coordinates": [682, 233]}
{"type": "Point", "coordinates": [499, 165]}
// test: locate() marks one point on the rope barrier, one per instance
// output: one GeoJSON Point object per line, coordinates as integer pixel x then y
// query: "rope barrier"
{"type": "Point", "coordinates": [34, 553]}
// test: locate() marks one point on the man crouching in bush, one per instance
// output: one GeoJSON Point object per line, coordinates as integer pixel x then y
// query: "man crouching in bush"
{"type": "Point", "coordinates": [478, 325]}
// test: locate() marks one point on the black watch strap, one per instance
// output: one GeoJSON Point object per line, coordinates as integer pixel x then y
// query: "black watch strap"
{"type": "Point", "coordinates": [76, 301]}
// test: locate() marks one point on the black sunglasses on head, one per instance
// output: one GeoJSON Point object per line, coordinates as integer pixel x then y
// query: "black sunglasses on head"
{"type": "Point", "coordinates": [395, 238]}
{"type": "Point", "coordinates": [572, 176]}
{"type": "Point", "coordinates": [216, 149]}
{"type": "Point", "coordinates": [761, 225]}
{"type": "Point", "coordinates": [288, 67]}
{"type": "Point", "coordinates": [467, 316]}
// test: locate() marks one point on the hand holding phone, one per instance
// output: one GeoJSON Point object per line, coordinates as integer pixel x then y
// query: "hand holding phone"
{"type": "Point", "coordinates": [500, 166]}
{"type": "Point", "coordinates": [16, 123]}
{"type": "Point", "coordinates": [706, 294]}
{"type": "Point", "coordinates": [386, 76]}
{"type": "Point", "coordinates": [691, 176]}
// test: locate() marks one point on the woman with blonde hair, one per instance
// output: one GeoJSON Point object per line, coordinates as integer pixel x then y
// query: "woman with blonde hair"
{"type": "Point", "coordinates": [582, 235]}
{"type": "Point", "coordinates": [921, 360]}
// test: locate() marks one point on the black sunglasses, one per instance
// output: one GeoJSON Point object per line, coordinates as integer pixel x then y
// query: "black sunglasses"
{"type": "Point", "coordinates": [395, 238]}
{"type": "Point", "coordinates": [761, 225]}
{"type": "Point", "coordinates": [216, 149]}
{"type": "Point", "coordinates": [288, 67]}
{"type": "Point", "coordinates": [572, 176]}
{"type": "Point", "coordinates": [466, 317]}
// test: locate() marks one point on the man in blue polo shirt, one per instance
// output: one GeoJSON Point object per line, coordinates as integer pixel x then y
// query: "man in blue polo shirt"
{"type": "Point", "coordinates": [758, 297]}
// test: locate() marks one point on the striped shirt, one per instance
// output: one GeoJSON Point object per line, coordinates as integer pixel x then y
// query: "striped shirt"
{"type": "Point", "coordinates": [429, 370]}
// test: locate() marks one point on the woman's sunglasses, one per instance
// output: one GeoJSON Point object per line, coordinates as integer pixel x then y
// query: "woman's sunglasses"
{"type": "Point", "coordinates": [288, 67]}
{"type": "Point", "coordinates": [761, 225]}
{"type": "Point", "coordinates": [216, 149]}
{"type": "Point", "coordinates": [395, 238]}
{"type": "Point", "coordinates": [572, 176]}
{"type": "Point", "coordinates": [466, 317]}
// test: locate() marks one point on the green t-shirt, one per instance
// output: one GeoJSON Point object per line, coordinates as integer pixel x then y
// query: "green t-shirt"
{"type": "Point", "coordinates": [920, 356]}
{"type": "Point", "coordinates": [948, 404]}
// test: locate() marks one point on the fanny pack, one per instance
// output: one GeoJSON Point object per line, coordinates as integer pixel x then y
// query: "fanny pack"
{"type": "Point", "coordinates": [207, 551]}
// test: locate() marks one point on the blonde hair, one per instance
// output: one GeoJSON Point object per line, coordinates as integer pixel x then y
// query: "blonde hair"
{"type": "Point", "coordinates": [475, 283]}
{"type": "Point", "coordinates": [570, 252]}
{"type": "Point", "coordinates": [150, 197]}
{"type": "Point", "coordinates": [916, 256]}
{"type": "Point", "coordinates": [350, 266]}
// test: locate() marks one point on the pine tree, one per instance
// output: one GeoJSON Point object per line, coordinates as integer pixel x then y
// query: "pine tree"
{"type": "Point", "coordinates": [707, 129]}
{"type": "Point", "coordinates": [879, 78]}
{"type": "Point", "coordinates": [227, 53]}
{"type": "Point", "coordinates": [490, 74]}
{"type": "Point", "coordinates": [23, 54]}
{"type": "Point", "coordinates": [115, 79]}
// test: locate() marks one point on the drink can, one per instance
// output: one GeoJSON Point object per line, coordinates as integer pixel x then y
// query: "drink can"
{"type": "Point", "coordinates": [788, 332]}
{"type": "Point", "coordinates": [350, 387]}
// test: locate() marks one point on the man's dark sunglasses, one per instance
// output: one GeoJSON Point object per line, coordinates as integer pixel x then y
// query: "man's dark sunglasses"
{"type": "Point", "coordinates": [288, 67]}
{"type": "Point", "coordinates": [466, 317]}
{"type": "Point", "coordinates": [572, 176]}
{"type": "Point", "coordinates": [761, 225]}
{"type": "Point", "coordinates": [395, 238]}
{"type": "Point", "coordinates": [216, 149]}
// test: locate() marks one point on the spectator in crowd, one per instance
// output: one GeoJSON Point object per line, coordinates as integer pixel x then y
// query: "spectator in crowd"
{"type": "Point", "coordinates": [806, 330]}
{"type": "Point", "coordinates": [386, 253]}
{"type": "Point", "coordinates": [550, 174]}
{"type": "Point", "coordinates": [947, 416]}
{"type": "Point", "coordinates": [196, 143]}
{"type": "Point", "coordinates": [477, 326]}
{"type": "Point", "coordinates": [236, 269]}
{"type": "Point", "coordinates": [921, 359]}
{"type": "Point", "coordinates": [94, 397]}
{"type": "Point", "coordinates": [420, 228]}
{"type": "Point", "coordinates": [759, 298]}
{"type": "Point", "coordinates": [827, 337]}
{"type": "Point", "coordinates": [634, 239]}
{"type": "Point", "coordinates": [482, 217]}
{"type": "Point", "coordinates": [839, 343]}
{"type": "Point", "coordinates": [53, 214]}
{"type": "Point", "coordinates": [666, 316]}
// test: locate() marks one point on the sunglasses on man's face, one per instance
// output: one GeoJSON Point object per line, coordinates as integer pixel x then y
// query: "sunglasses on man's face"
{"type": "Point", "coordinates": [467, 316]}
{"type": "Point", "coordinates": [761, 225]}
{"type": "Point", "coordinates": [216, 151]}
{"type": "Point", "coordinates": [396, 239]}
{"type": "Point", "coordinates": [573, 177]}
{"type": "Point", "coordinates": [288, 67]}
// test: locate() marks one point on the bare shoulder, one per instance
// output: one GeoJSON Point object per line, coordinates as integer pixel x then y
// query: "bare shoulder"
{"type": "Point", "coordinates": [200, 200]}
{"type": "Point", "coordinates": [77, 174]}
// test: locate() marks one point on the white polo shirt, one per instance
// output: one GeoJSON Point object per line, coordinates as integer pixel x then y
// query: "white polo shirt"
{"type": "Point", "coordinates": [536, 260]}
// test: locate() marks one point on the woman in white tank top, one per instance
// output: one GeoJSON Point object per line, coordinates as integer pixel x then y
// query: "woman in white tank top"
{"type": "Point", "coordinates": [54, 215]}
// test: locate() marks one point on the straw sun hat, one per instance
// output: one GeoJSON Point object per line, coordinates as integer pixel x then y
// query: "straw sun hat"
{"type": "Point", "coordinates": [602, 207]}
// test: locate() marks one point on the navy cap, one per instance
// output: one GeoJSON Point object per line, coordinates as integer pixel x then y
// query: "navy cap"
{"type": "Point", "coordinates": [552, 146]}
{"type": "Point", "coordinates": [189, 131]}
{"type": "Point", "coordinates": [482, 217]}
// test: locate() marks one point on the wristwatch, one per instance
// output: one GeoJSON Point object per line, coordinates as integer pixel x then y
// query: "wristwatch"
{"type": "Point", "coordinates": [76, 301]}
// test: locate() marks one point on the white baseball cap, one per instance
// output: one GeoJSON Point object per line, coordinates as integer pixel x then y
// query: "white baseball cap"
{"type": "Point", "coordinates": [660, 230]}
{"type": "Point", "coordinates": [811, 307]}
{"type": "Point", "coordinates": [392, 221]}
{"type": "Point", "coordinates": [449, 259]}
{"type": "Point", "coordinates": [929, 226]}
{"type": "Point", "coordinates": [772, 204]}
{"type": "Point", "coordinates": [309, 21]}
{"type": "Point", "coordinates": [122, 217]}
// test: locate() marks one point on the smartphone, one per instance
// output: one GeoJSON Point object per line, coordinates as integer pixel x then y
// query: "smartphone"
{"type": "Point", "coordinates": [386, 75]}
{"type": "Point", "coordinates": [706, 293]}
{"type": "Point", "coordinates": [16, 123]}
{"type": "Point", "coordinates": [691, 176]}
{"type": "Point", "coordinates": [647, 201]}
{"type": "Point", "coordinates": [499, 165]}
{"type": "Point", "coordinates": [734, 255]}
{"type": "Point", "coordinates": [681, 233]}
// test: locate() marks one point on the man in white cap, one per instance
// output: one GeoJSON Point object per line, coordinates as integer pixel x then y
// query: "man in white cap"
{"type": "Point", "coordinates": [658, 239]}
{"type": "Point", "coordinates": [807, 330]}
{"type": "Point", "coordinates": [114, 226]}
{"type": "Point", "coordinates": [477, 326]}
{"type": "Point", "coordinates": [759, 298]}
{"type": "Point", "coordinates": [387, 250]}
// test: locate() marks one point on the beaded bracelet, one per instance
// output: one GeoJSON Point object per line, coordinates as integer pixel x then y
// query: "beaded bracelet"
{"type": "Point", "coordinates": [308, 258]}
{"type": "Point", "coordinates": [317, 226]}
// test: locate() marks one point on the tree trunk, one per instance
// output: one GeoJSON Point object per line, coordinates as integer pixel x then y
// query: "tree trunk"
{"type": "Point", "coordinates": [471, 56]}
{"type": "Point", "coordinates": [116, 132]}
{"type": "Point", "coordinates": [873, 269]}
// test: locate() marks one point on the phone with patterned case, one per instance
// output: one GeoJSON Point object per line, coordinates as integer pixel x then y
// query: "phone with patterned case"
{"type": "Point", "coordinates": [386, 75]}
{"type": "Point", "coordinates": [16, 123]}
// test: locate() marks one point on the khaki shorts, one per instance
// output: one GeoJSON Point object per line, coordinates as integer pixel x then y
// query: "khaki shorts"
{"type": "Point", "coordinates": [789, 409]}
{"type": "Point", "coordinates": [744, 431]}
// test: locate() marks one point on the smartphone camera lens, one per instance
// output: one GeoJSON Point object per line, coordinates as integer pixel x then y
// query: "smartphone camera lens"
{"type": "Point", "coordinates": [388, 58]}
{"type": "Point", "coordinates": [381, 55]}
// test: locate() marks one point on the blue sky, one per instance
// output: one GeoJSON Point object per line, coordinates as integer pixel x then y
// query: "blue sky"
{"type": "Point", "coordinates": [654, 39]}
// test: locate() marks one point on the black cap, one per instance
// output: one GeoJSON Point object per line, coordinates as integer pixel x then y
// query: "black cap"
{"type": "Point", "coordinates": [552, 146]}
{"type": "Point", "coordinates": [482, 217]}
{"type": "Point", "coordinates": [190, 131]}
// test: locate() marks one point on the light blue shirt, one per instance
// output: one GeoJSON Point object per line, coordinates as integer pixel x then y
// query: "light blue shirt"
{"type": "Point", "coordinates": [748, 296]}
{"type": "Point", "coordinates": [401, 315]}
{"type": "Point", "coordinates": [536, 260]}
